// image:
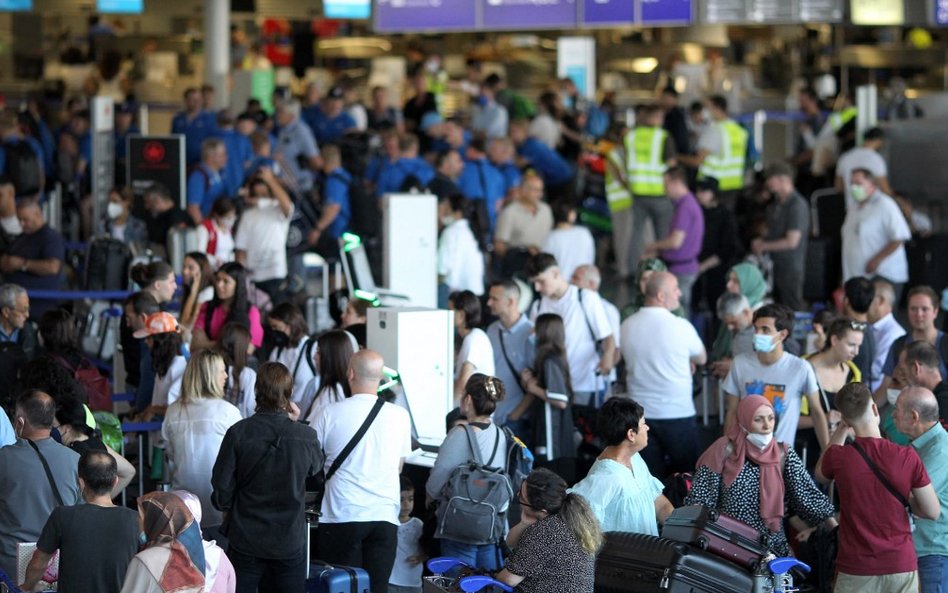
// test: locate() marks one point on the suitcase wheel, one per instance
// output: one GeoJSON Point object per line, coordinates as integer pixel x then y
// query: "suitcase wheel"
{"type": "Point", "coordinates": [753, 564]}
{"type": "Point", "coordinates": [702, 542]}
{"type": "Point", "coordinates": [712, 515]}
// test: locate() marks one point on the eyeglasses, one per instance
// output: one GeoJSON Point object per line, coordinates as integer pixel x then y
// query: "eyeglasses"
{"type": "Point", "coordinates": [524, 503]}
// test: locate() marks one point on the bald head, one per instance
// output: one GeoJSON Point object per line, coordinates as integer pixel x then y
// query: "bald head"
{"type": "Point", "coordinates": [661, 290]}
{"type": "Point", "coordinates": [365, 371]}
{"type": "Point", "coordinates": [916, 411]}
{"type": "Point", "coordinates": [587, 276]}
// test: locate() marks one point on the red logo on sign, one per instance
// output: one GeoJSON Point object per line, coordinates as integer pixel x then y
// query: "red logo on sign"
{"type": "Point", "coordinates": [154, 152]}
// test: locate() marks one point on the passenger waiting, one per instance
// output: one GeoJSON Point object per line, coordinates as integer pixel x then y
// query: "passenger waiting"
{"type": "Point", "coordinates": [219, 576]}
{"type": "Point", "coordinates": [229, 304]}
{"type": "Point", "coordinates": [121, 224]}
{"type": "Point", "coordinates": [198, 277]}
{"type": "Point", "coordinates": [236, 350]}
{"type": "Point", "coordinates": [163, 338]}
{"type": "Point", "coordinates": [292, 346]}
{"type": "Point", "coordinates": [72, 422]}
{"type": "Point", "coordinates": [331, 385]}
{"type": "Point", "coordinates": [475, 353]}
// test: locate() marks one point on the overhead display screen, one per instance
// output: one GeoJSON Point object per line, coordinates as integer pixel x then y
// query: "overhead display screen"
{"type": "Point", "coordinates": [120, 6]}
{"type": "Point", "coordinates": [877, 12]}
{"type": "Point", "coordinates": [347, 9]}
{"type": "Point", "coordinates": [528, 14]}
{"type": "Point", "coordinates": [608, 12]}
{"type": "Point", "coordinates": [941, 12]}
{"type": "Point", "coordinates": [16, 5]}
{"type": "Point", "coordinates": [725, 11]}
{"type": "Point", "coordinates": [665, 11]}
{"type": "Point", "coordinates": [399, 16]}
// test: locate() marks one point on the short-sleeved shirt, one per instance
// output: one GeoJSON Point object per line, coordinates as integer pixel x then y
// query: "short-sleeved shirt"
{"type": "Point", "coordinates": [784, 216]}
{"type": "Point", "coordinates": [391, 176]}
{"type": "Point", "coordinates": [404, 573]}
{"type": "Point", "coordinates": [204, 186]}
{"type": "Point", "coordinates": [480, 180]}
{"type": "Point", "coordinates": [867, 229]}
{"type": "Point", "coordinates": [219, 318]}
{"type": "Point", "coordinates": [84, 568]}
{"type": "Point", "coordinates": [552, 167]}
{"type": "Point", "coordinates": [460, 260]}
{"type": "Point", "coordinates": [874, 533]}
{"type": "Point", "coordinates": [511, 174]}
{"type": "Point", "coordinates": [572, 247]}
{"type": "Point", "coordinates": [892, 359]}
{"type": "Point", "coordinates": [784, 383]}
{"type": "Point", "coordinates": [327, 129]}
{"type": "Point", "coordinates": [262, 235]}
{"type": "Point", "coordinates": [296, 142]}
{"type": "Point", "coordinates": [689, 219]}
{"type": "Point", "coordinates": [336, 191]}
{"type": "Point", "coordinates": [551, 559]}
{"type": "Point", "coordinates": [931, 537]}
{"type": "Point", "coordinates": [514, 345]}
{"type": "Point", "coordinates": [859, 158]}
{"type": "Point", "coordinates": [622, 498]}
{"type": "Point", "coordinates": [196, 130]}
{"type": "Point", "coordinates": [477, 350]}
{"type": "Point", "coordinates": [46, 243]}
{"type": "Point", "coordinates": [518, 227]}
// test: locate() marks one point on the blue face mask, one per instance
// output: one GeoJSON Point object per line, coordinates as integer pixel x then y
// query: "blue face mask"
{"type": "Point", "coordinates": [764, 343]}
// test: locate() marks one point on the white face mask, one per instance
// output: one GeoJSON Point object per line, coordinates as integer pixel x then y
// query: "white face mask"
{"type": "Point", "coordinates": [892, 395]}
{"type": "Point", "coordinates": [265, 202]}
{"type": "Point", "coordinates": [114, 210]}
{"type": "Point", "coordinates": [760, 440]}
{"type": "Point", "coordinates": [228, 223]}
{"type": "Point", "coordinates": [447, 220]}
{"type": "Point", "coordinates": [11, 225]}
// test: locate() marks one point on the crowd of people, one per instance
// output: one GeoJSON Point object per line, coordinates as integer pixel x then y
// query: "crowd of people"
{"type": "Point", "coordinates": [249, 412]}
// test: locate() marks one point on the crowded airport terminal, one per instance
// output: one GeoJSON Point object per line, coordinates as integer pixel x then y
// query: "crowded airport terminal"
{"type": "Point", "coordinates": [432, 296]}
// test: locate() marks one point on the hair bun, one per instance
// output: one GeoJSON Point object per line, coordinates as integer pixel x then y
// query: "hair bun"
{"type": "Point", "coordinates": [493, 390]}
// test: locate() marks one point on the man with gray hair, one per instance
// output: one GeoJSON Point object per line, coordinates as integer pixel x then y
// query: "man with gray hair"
{"type": "Point", "coordinates": [205, 183]}
{"type": "Point", "coordinates": [510, 339]}
{"type": "Point", "coordinates": [296, 144]}
{"type": "Point", "coordinates": [587, 276]}
{"type": "Point", "coordinates": [735, 313]}
{"type": "Point", "coordinates": [660, 351]}
{"type": "Point", "coordinates": [921, 364]}
{"type": "Point", "coordinates": [916, 415]}
{"type": "Point", "coordinates": [885, 329]}
{"type": "Point", "coordinates": [15, 327]}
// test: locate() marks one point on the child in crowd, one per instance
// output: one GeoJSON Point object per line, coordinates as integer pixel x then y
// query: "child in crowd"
{"type": "Point", "coordinates": [406, 573]}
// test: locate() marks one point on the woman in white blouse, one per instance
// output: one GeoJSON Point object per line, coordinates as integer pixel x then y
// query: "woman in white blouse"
{"type": "Point", "coordinates": [475, 354]}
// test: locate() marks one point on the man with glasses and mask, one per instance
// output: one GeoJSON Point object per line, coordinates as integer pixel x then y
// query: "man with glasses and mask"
{"type": "Point", "coordinates": [28, 494]}
{"type": "Point", "coordinates": [14, 315]}
{"type": "Point", "coordinates": [779, 376]}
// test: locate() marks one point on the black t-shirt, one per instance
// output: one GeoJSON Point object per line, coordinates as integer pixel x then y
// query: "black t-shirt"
{"type": "Point", "coordinates": [95, 546]}
{"type": "Point", "coordinates": [90, 444]}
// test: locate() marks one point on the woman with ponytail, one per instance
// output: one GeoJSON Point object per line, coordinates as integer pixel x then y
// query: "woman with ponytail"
{"type": "Point", "coordinates": [556, 540]}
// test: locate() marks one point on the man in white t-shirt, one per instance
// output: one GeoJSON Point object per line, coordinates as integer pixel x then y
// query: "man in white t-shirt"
{"type": "Point", "coordinates": [874, 234]}
{"type": "Point", "coordinates": [571, 244]}
{"type": "Point", "coordinates": [660, 351]}
{"type": "Point", "coordinates": [590, 345]}
{"type": "Point", "coordinates": [781, 377]}
{"type": "Point", "coordinates": [589, 278]}
{"type": "Point", "coordinates": [863, 157]}
{"type": "Point", "coordinates": [359, 523]}
{"type": "Point", "coordinates": [261, 235]}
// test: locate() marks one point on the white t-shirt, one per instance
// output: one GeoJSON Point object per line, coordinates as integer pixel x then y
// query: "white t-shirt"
{"type": "Point", "coordinates": [366, 487]}
{"type": "Point", "coordinates": [167, 388]}
{"type": "Point", "coordinates": [868, 228]}
{"type": "Point", "coordinates": [859, 158]}
{"type": "Point", "coordinates": [658, 347]}
{"type": "Point", "coordinates": [460, 260]}
{"type": "Point", "coordinates": [247, 402]}
{"type": "Point", "coordinates": [477, 350]}
{"type": "Point", "coordinates": [615, 322]}
{"type": "Point", "coordinates": [405, 574]}
{"type": "Point", "coordinates": [329, 396]}
{"type": "Point", "coordinates": [224, 249]}
{"type": "Point", "coordinates": [785, 383]}
{"type": "Point", "coordinates": [302, 371]}
{"type": "Point", "coordinates": [262, 234]}
{"type": "Point", "coordinates": [572, 247]}
{"type": "Point", "coordinates": [194, 433]}
{"type": "Point", "coordinates": [580, 344]}
{"type": "Point", "coordinates": [711, 139]}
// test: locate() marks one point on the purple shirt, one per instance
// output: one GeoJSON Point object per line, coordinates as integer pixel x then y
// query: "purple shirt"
{"type": "Point", "coordinates": [689, 219]}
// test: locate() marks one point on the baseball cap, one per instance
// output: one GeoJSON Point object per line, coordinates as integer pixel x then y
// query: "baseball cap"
{"type": "Point", "coordinates": [336, 92]}
{"type": "Point", "coordinates": [157, 323]}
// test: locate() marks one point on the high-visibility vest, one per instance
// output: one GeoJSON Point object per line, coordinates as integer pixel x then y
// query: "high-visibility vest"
{"type": "Point", "coordinates": [727, 166]}
{"type": "Point", "coordinates": [646, 167]}
{"type": "Point", "coordinates": [617, 189]}
{"type": "Point", "coordinates": [840, 119]}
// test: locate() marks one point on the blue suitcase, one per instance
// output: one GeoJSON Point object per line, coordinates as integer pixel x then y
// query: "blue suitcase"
{"type": "Point", "coordinates": [324, 578]}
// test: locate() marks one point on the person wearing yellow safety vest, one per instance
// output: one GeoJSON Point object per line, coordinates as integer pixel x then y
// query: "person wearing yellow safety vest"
{"type": "Point", "coordinates": [837, 135]}
{"type": "Point", "coordinates": [649, 151]}
{"type": "Point", "coordinates": [722, 152]}
{"type": "Point", "coordinates": [619, 197]}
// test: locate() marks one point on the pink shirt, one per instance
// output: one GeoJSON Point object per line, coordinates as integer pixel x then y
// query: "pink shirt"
{"type": "Point", "coordinates": [220, 317]}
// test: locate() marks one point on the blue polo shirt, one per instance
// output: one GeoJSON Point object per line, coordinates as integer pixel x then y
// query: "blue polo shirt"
{"type": "Point", "coordinates": [205, 186]}
{"type": "Point", "coordinates": [391, 176]}
{"type": "Point", "coordinates": [195, 131]}
{"type": "Point", "coordinates": [549, 164]}
{"type": "Point", "coordinates": [480, 180]}
{"type": "Point", "coordinates": [327, 129]}
{"type": "Point", "coordinates": [121, 148]}
{"type": "Point", "coordinates": [511, 174]}
{"type": "Point", "coordinates": [336, 191]}
{"type": "Point", "coordinates": [239, 155]}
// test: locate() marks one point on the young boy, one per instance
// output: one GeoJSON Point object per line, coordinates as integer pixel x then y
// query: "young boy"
{"type": "Point", "coordinates": [406, 573]}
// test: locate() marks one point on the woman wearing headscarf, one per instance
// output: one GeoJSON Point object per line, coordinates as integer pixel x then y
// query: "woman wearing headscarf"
{"type": "Point", "coordinates": [166, 563]}
{"type": "Point", "coordinates": [745, 279]}
{"type": "Point", "coordinates": [748, 475]}
{"type": "Point", "coordinates": [647, 267]}
{"type": "Point", "coordinates": [219, 573]}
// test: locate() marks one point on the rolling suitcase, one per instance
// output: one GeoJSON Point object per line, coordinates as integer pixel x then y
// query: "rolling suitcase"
{"type": "Point", "coordinates": [324, 578]}
{"type": "Point", "coordinates": [640, 563]}
{"type": "Point", "coordinates": [717, 533]}
{"type": "Point", "coordinates": [106, 265]}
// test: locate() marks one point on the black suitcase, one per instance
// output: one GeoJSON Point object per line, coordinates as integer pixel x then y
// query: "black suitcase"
{"type": "Point", "coordinates": [107, 264]}
{"type": "Point", "coordinates": [639, 563]}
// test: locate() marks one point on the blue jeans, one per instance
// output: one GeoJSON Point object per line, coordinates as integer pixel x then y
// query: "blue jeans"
{"type": "Point", "coordinates": [485, 557]}
{"type": "Point", "coordinates": [933, 574]}
{"type": "Point", "coordinates": [263, 575]}
{"type": "Point", "coordinates": [672, 446]}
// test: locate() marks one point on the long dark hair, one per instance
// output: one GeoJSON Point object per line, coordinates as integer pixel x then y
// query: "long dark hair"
{"type": "Point", "coordinates": [58, 330]}
{"type": "Point", "coordinates": [335, 350]}
{"type": "Point", "coordinates": [207, 273]}
{"type": "Point", "coordinates": [291, 315]}
{"type": "Point", "coordinates": [71, 412]}
{"type": "Point", "coordinates": [164, 348]}
{"type": "Point", "coordinates": [239, 307]}
{"type": "Point", "coordinates": [232, 346]}
{"type": "Point", "coordinates": [551, 344]}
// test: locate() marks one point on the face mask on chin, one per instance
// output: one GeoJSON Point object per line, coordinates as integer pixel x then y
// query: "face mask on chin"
{"type": "Point", "coordinates": [760, 440]}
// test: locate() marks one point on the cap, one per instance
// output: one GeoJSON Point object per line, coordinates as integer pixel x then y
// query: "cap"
{"type": "Point", "coordinates": [336, 92]}
{"type": "Point", "coordinates": [707, 184]}
{"type": "Point", "coordinates": [157, 323]}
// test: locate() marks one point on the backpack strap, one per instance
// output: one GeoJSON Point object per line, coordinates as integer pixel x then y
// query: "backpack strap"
{"type": "Point", "coordinates": [493, 454]}
{"type": "Point", "coordinates": [49, 474]}
{"type": "Point", "coordinates": [306, 353]}
{"type": "Point", "coordinates": [475, 450]}
{"type": "Point", "coordinates": [344, 454]}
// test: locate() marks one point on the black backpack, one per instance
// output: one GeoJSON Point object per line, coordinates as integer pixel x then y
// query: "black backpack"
{"type": "Point", "coordinates": [22, 167]}
{"type": "Point", "coordinates": [366, 219]}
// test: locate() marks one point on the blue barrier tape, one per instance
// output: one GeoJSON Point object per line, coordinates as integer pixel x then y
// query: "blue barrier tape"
{"type": "Point", "coordinates": [140, 426]}
{"type": "Point", "coordinates": [123, 397]}
{"type": "Point", "coordinates": [75, 245]}
{"type": "Point", "coordinates": [102, 366]}
{"type": "Point", "coordinates": [78, 295]}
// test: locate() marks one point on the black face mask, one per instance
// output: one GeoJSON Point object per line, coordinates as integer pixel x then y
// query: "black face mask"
{"type": "Point", "coordinates": [278, 338]}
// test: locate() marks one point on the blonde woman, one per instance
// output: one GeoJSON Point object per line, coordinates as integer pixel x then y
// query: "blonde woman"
{"type": "Point", "coordinates": [194, 427]}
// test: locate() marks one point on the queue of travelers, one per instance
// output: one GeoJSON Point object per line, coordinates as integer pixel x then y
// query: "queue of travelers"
{"type": "Point", "coordinates": [249, 412]}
